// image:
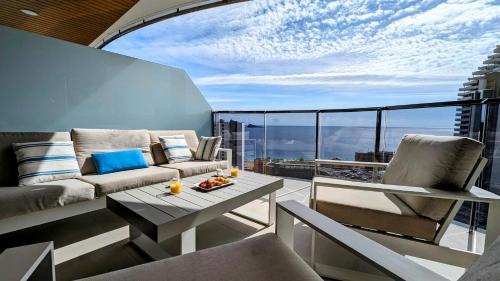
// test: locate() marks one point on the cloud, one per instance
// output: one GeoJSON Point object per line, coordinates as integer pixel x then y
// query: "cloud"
{"type": "Point", "coordinates": [330, 79]}
{"type": "Point", "coordinates": [362, 44]}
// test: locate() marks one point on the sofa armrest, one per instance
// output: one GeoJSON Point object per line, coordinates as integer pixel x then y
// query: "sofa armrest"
{"type": "Point", "coordinates": [228, 153]}
{"type": "Point", "coordinates": [391, 263]}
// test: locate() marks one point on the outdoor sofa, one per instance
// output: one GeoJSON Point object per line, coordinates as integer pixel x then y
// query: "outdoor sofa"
{"type": "Point", "coordinates": [25, 206]}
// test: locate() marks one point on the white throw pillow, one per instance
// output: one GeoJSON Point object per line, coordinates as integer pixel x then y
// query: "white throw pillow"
{"type": "Point", "coordinates": [45, 161]}
{"type": "Point", "coordinates": [208, 148]}
{"type": "Point", "coordinates": [176, 149]}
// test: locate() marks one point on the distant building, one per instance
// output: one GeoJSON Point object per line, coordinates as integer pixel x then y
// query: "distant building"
{"type": "Point", "coordinates": [482, 84]}
{"type": "Point", "coordinates": [470, 120]}
{"type": "Point", "coordinates": [259, 165]}
{"type": "Point", "coordinates": [233, 137]}
{"type": "Point", "coordinates": [383, 156]}
{"type": "Point", "coordinates": [296, 169]}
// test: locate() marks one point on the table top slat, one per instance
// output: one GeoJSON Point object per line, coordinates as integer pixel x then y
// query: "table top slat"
{"type": "Point", "coordinates": [189, 197]}
{"type": "Point", "coordinates": [156, 202]}
{"type": "Point", "coordinates": [174, 200]}
{"type": "Point", "coordinates": [139, 207]}
{"type": "Point", "coordinates": [204, 195]}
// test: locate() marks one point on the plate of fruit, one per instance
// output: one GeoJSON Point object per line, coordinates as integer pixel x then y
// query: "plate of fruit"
{"type": "Point", "coordinates": [214, 183]}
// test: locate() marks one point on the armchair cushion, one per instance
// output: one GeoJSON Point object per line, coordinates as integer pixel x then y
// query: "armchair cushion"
{"type": "Point", "coordinates": [432, 161]}
{"type": "Point", "coordinates": [375, 210]}
{"type": "Point", "coordinates": [261, 258]}
{"type": "Point", "coordinates": [487, 267]}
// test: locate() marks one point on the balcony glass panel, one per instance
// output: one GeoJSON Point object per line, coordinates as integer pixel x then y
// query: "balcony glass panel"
{"type": "Point", "coordinates": [439, 121]}
{"type": "Point", "coordinates": [244, 134]}
{"type": "Point", "coordinates": [291, 144]}
{"type": "Point", "coordinates": [348, 135]}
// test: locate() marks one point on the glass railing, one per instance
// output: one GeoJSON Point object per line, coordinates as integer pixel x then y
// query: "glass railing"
{"type": "Point", "coordinates": [285, 143]}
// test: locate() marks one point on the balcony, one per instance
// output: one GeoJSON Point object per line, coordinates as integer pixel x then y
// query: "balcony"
{"type": "Point", "coordinates": [285, 143]}
{"type": "Point", "coordinates": [110, 165]}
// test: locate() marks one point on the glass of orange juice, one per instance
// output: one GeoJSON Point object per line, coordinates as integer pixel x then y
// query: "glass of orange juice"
{"type": "Point", "coordinates": [175, 186]}
{"type": "Point", "coordinates": [235, 172]}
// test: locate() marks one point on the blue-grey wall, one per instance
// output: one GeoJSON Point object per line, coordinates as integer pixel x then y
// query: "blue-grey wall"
{"type": "Point", "coordinates": [52, 85]}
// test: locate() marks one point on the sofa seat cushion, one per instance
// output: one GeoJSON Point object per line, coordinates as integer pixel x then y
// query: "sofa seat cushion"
{"type": "Point", "coordinates": [109, 183]}
{"type": "Point", "coordinates": [261, 258]}
{"type": "Point", "coordinates": [196, 167]}
{"type": "Point", "coordinates": [374, 210]}
{"type": "Point", "coordinates": [16, 201]}
{"type": "Point", "coordinates": [88, 141]}
{"type": "Point", "coordinates": [432, 161]}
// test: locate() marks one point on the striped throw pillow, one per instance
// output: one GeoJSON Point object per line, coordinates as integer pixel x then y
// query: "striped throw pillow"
{"type": "Point", "coordinates": [176, 148]}
{"type": "Point", "coordinates": [45, 161]}
{"type": "Point", "coordinates": [208, 148]}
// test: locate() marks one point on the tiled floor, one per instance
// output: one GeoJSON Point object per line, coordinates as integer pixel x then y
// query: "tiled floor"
{"type": "Point", "coordinates": [224, 229]}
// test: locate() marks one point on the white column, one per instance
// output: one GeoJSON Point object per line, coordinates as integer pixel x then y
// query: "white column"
{"type": "Point", "coordinates": [188, 241]}
{"type": "Point", "coordinates": [284, 227]}
{"type": "Point", "coordinates": [272, 208]}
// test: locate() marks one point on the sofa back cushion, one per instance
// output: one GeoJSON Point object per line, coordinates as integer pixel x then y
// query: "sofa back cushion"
{"type": "Point", "coordinates": [88, 141]}
{"type": "Point", "coordinates": [176, 149]}
{"type": "Point", "coordinates": [8, 163]}
{"type": "Point", "coordinates": [157, 149]}
{"type": "Point", "coordinates": [439, 162]}
{"type": "Point", "coordinates": [208, 148]}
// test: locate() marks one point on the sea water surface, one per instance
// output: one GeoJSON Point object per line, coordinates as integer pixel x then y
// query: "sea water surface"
{"type": "Point", "coordinates": [336, 142]}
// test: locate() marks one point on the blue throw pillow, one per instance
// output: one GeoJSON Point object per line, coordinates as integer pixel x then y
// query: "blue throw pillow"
{"type": "Point", "coordinates": [110, 162]}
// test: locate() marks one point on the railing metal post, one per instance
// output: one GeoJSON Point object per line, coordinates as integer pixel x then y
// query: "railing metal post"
{"type": "Point", "coordinates": [316, 153]}
{"type": "Point", "coordinates": [378, 129]}
{"type": "Point", "coordinates": [213, 123]}
{"type": "Point", "coordinates": [475, 207]}
{"type": "Point", "coordinates": [264, 165]}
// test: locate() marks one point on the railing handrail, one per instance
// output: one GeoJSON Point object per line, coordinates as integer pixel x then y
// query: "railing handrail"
{"type": "Point", "coordinates": [383, 108]}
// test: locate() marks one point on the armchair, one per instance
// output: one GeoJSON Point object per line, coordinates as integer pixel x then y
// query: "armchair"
{"type": "Point", "coordinates": [422, 190]}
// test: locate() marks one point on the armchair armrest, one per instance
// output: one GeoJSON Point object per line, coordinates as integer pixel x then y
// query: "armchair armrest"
{"type": "Point", "coordinates": [391, 263]}
{"type": "Point", "coordinates": [351, 163]}
{"type": "Point", "coordinates": [475, 194]}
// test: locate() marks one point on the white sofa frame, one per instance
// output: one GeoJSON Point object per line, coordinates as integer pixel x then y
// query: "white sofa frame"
{"type": "Point", "coordinates": [407, 245]}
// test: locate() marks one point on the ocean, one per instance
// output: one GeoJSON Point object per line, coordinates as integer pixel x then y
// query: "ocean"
{"type": "Point", "coordinates": [336, 142]}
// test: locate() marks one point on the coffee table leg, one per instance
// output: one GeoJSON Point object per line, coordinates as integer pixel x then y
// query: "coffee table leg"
{"type": "Point", "coordinates": [272, 208]}
{"type": "Point", "coordinates": [188, 241]}
{"type": "Point", "coordinates": [146, 245]}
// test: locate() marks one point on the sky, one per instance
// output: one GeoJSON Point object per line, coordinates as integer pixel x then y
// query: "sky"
{"type": "Point", "coordinates": [305, 54]}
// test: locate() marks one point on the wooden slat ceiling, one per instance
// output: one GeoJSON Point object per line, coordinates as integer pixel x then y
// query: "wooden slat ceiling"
{"type": "Point", "coordinates": [78, 21]}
